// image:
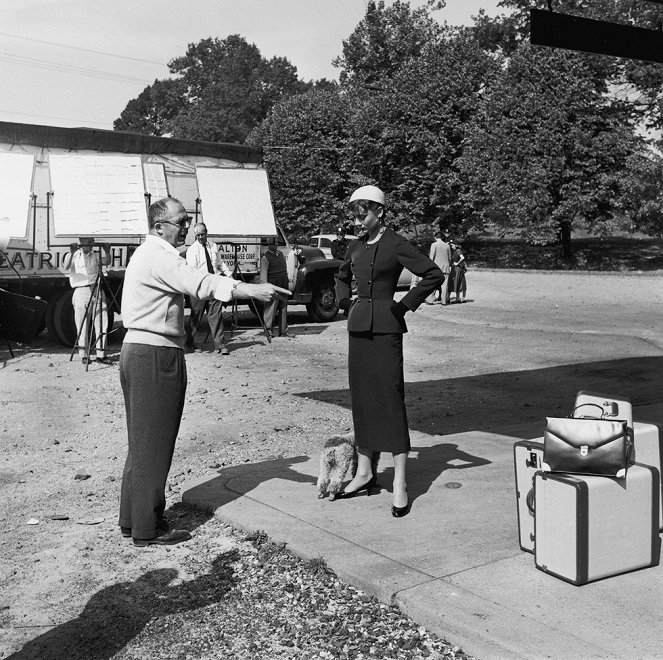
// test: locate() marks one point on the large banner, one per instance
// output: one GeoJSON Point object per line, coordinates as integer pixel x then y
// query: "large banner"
{"type": "Point", "coordinates": [98, 195]}
{"type": "Point", "coordinates": [236, 201]}
{"type": "Point", "coordinates": [15, 190]}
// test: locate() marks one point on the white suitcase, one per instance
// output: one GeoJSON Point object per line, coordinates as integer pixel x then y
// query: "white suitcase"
{"type": "Point", "coordinates": [607, 406]}
{"type": "Point", "coordinates": [527, 457]}
{"type": "Point", "coordinates": [590, 527]}
{"type": "Point", "coordinates": [648, 450]}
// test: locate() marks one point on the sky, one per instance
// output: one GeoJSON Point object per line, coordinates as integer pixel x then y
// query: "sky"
{"type": "Point", "coordinates": [78, 62]}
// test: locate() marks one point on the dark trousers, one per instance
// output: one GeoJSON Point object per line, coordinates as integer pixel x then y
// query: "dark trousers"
{"type": "Point", "coordinates": [277, 310]}
{"type": "Point", "coordinates": [214, 318]}
{"type": "Point", "coordinates": [153, 381]}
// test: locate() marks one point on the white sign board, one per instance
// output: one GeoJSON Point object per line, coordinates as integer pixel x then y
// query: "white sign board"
{"type": "Point", "coordinates": [236, 201]}
{"type": "Point", "coordinates": [98, 195]}
{"type": "Point", "coordinates": [15, 190]}
{"type": "Point", "coordinates": [155, 180]}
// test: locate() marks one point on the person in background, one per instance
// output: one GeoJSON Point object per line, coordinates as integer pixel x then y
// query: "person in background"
{"type": "Point", "coordinates": [81, 263]}
{"type": "Point", "coordinates": [274, 270]}
{"type": "Point", "coordinates": [459, 266]}
{"type": "Point", "coordinates": [152, 365]}
{"type": "Point", "coordinates": [204, 255]}
{"type": "Point", "coordinates": [339, 245]}
{"type": "Point", "coordinates": [440, 253]}
{"type": "Point", "coordinates": [376, 326]}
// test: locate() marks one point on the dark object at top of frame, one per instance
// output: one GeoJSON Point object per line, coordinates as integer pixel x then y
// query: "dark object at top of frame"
{"type": "Point", "coordinates": [549, 28]}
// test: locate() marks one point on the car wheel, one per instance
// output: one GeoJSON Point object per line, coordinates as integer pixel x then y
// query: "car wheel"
{"type": "Point", "coordinates": [323, 306]}
{"type": "Point", "coordinates": [60, 319]}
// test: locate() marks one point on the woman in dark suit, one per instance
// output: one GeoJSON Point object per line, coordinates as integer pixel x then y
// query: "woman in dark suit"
{"type": "Point", "coordinates": [376, 326]}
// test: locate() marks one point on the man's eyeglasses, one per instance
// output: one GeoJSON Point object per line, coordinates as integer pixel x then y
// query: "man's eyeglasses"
{"type": "Point", "coordinates": [184, 223]}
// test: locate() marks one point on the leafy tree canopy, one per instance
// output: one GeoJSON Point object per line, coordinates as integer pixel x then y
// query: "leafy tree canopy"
{"type": "Point", "coordinates": [385, 39]}
{"type": "Point", "coordinates": [221, 89]}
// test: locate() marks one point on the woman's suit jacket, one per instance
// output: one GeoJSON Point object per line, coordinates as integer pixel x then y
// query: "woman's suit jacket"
{"type": "Point", "coordinates": [376, 268]}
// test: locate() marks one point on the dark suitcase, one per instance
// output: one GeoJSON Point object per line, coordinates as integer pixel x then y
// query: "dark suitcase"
{"type": "Point", "coordinates": [527, 457]}
{"type": "Point", "coordinates": [591, 527]}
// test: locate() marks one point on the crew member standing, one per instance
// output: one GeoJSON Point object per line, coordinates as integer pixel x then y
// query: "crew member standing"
{"type": "Point", "coordinates": [339, 246]}
{"type": "Point", "coordinates": [274, 269]}
{"type": "Point", "coordinates": [204, 255]}
{"type": "Point", "coordinates": [440, 254]}
{"type": "Point", "coordinates": [82, 266]}
{"type": "Point", "coordinates": [152, 365]}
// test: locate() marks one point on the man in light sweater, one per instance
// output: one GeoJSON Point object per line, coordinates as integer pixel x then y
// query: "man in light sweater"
{"type": "Point", "coordinates": [152, 366]}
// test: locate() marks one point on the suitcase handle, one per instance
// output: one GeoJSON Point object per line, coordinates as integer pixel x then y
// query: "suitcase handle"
{"type": "Point", "coordinates": [530, 499]}
{"type": "Point", "coordinates": [589, 403]}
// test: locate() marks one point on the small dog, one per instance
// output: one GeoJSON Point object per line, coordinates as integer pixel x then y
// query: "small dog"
{"type": "Point", "coordinates": [338, 454]}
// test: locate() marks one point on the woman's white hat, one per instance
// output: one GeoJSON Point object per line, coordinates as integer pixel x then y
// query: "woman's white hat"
{"type": "Point", "coordinates": [370, 193]}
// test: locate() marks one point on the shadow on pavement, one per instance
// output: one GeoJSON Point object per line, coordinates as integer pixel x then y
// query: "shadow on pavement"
{"type": "Point", "coordinates": [489, 402]}
{"type": "Point", "coordinates": [234, 482]}
{"type": "Point", "coordinates": [118, 613]}
{"type": "Point", "coordinates": [426, 464]}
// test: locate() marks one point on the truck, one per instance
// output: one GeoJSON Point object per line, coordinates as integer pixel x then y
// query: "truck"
{"type": "Point", "coordinates": [32, 263]}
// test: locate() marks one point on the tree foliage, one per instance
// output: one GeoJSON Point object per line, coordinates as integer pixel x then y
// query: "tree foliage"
{"type": "Point", "coordinates": [221, 90]}
{"type": "Point", "coordinates": [305, 140]}
{"type": "Point", "coordinates": [465, 127]}
{"type": "Point", "coordinates": [385, 39]}
{"type": "Point", "coordinates": [547, 146]}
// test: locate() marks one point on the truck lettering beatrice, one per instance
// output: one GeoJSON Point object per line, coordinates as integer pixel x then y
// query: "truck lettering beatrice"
{"type": "Point", "coordinates": [57, 184]}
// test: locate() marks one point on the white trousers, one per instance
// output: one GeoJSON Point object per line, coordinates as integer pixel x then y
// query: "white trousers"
{"type": "Point", "coordinates": [98, 311]}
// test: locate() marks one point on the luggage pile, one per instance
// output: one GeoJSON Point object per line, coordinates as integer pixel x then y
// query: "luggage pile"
{"type": "Point", "coordinates": [589, 497]}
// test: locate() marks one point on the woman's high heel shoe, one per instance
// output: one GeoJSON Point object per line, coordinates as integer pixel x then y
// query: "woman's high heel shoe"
{"type": "Point", "coordinates": [400, 511]}
{"type": "Point", "coordinates": [368, 486]}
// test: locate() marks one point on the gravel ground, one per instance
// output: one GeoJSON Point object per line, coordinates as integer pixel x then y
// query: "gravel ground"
{"type": "Point", "coordinates": [72, 587]}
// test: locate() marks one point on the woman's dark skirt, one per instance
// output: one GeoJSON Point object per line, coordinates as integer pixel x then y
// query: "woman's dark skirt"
{"type": "Point", "coordinates": [377, 387]}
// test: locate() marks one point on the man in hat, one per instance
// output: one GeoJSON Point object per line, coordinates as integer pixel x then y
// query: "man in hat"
{"type": "Point", "coordinates": [339, 245]}
{"type": "Point", "coordinates": [81, 263]}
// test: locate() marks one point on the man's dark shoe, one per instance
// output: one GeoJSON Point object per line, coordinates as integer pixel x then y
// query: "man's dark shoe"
{"type": "Point", "coordinates": [165, 538]}
{"type": "Point", "coordinates": [223, 350]}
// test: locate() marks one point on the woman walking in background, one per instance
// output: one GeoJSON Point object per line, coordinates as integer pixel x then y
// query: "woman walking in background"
{"type": "Point", "coordinates": [376, 326]}
{"type": "Point", "coordinates": [459, 268]}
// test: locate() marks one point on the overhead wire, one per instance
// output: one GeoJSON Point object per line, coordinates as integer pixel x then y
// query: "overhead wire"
{"type": "Point", "coordinates": [69, 68]}
{"type": "Point", "coordinates": [86, 50]}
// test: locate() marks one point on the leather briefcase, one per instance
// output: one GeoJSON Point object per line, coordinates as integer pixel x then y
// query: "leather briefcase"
{"type": "Point", "coordinates": [587, 446]}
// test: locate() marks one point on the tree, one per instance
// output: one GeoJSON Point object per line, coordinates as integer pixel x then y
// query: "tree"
{"type": "Point", "coordinates": [153, 110]}
{"type": "Point", "coordinates": [408, 135]}
{"type": "Point", "coordinates": [226, 88]}
{"type": "Point", "coordinates": [305, 141]}
{"type": "Point", "coordinates": [385, 39]}
{"type": "Point", "coordinates": [549, 146]}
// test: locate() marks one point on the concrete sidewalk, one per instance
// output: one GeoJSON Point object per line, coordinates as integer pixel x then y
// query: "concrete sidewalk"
{"type": "Point", "coordinates": [453, 564]}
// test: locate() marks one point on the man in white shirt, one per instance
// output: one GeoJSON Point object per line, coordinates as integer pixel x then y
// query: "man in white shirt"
{"type": "Point", "coordinates": [440, 253]}
{"type": "Point", "coordinates": [204, 256]}
{"type": "Point", "coordinates": [152, 365]}
{"type": "Point", "coordinates": [82, 266]}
